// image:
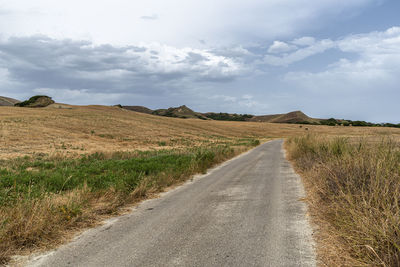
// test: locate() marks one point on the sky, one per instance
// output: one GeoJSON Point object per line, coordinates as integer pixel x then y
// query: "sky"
{"type": "Point", "coordinates": [327, 58]}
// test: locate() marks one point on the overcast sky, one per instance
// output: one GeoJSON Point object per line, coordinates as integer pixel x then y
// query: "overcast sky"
{"type": "Point", "coordinates": [328, 58]}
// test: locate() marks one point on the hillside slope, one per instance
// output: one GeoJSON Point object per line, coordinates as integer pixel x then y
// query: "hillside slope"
{"type": "Point", "coordinates": [182, 112]}
{"type": "Point", "coordinates": [140, 109]}
{"type": "Point", "coordinates": [291, 117]}
{"type": "Point", "coordinates": [87, 129]}
{"type": "Point", "coordinates": [6, 101]}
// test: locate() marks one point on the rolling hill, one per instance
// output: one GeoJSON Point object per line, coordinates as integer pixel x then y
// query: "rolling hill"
{"type": "Point", "coordinates": [182, 112]}
{"type": "Point", "coordinates": [291, 117]}
{"type": "Point", "coordinates": [88, 129]}
{"type": "Point", "coordinates": [6, 101]}
{"type": "Point", "coordinates": [140, 109]}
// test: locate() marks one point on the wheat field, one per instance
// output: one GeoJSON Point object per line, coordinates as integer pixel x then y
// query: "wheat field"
{"type": "Point", "coordinates": [75, 130]}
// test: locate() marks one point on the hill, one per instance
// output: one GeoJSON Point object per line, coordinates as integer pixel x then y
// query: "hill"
{"type": "Point", "coordinates": [87, 129]}
{"type": "Point", "coordinates": [6, 101]}
{"type": "Point", "coordinates": [291, 117]}
{"type": "Point", "coordinates": [296, 117]}
{"type": "Point", "coordinates": [140, 109]}
{"type": "Point", "coordinates": [38, 101]}
{"type": "Point", "coordinates": [182, 112]}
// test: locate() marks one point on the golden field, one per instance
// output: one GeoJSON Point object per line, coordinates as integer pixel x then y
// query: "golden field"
{"type": "Point", "coordinates": [74, 130]}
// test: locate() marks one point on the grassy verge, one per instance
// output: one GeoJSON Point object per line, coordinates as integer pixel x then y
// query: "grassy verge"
{"type": "Point", "coordinates": [43, 198]}
{"type": "Point", "coordinates": [354, 196]}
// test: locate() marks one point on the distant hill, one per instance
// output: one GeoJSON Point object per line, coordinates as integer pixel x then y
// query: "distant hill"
{"type": "Point", "coordinates": [38, 101]}
{"type": "Point", "coordinates": [179, 112]}
{"type": "Point", "coordinates": [140, 109]}
{"type": "Point", "coordinates": [6, 101]}
{"type": "Point", "coordinates": [291, 117]}
{"type": "Point", "coordinates": [184, 112]}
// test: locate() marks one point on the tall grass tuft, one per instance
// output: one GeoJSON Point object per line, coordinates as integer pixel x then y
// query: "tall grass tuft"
{"type": "Point", "coordinates": [354, 196]}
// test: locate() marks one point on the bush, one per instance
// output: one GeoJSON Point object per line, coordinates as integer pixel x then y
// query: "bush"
{"type": "Point", "coordinates": [329, 122]}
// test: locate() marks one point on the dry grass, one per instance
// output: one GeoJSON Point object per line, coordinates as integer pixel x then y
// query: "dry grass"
{"type": "Point", "coordinates": [47, 222]}
{"type": "Point", "coordinates": [353, 188]}
{"type": "Point", "coordinates": [82, 130]}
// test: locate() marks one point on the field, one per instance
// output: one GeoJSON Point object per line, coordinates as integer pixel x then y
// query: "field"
{"type": "Point", "coordinates": [64, 167]}
{"type": "Point", "coordinates": [83, 130]}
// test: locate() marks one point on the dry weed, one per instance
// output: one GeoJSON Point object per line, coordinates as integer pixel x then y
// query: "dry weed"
{"type": "Point", "coordinates": [353, 191]}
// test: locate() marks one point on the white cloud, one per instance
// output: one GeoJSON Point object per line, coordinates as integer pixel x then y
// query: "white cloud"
{"type": "Point", "coordinates": [386, 42]}
{"type": "Point", "coordinates": [299, 54]}
{"type": "Point", "coordinates": [224, 98]}
{"type": "Point", "coordinates": [370, 46]}
{"type": "Point", "coordinates": [280, 47]}
{"type": "Point", "coordinates": [245, 101]}
{"type": "Point", "coordinates": [304, 41]}
{"type": "Point", "coordinates": [377, 63]}
{"type": "Point", "coordinates": [248, 101]}
{"type": "Point", "coordinates": [152, 17]}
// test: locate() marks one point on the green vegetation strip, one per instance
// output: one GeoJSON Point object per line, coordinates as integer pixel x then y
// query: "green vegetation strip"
{"type": "Point", "coordinates": [354, 195]}
{"type": "Point", "coordinates": [40, 198]}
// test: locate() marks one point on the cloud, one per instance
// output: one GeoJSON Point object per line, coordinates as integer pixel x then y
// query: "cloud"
{"type": "Point", "coordinates": [152, 17]}
{"type": "Point", "coordinates": [367, 45]}
{"type": "Point", "coordinates": [300, 54]}
{"type": "Point", "coordinates": [224, 98]}
{"type": "Point", "coordinates": [248, 101]}
{"type": "Point", "coordinates": [280, 47]}
{"type": "Point", "coordinates": [243, 102]}
{"type": "Point", "coordinates": [81, 96]}
{"type": "Point", "coordinates": [223, 22]}
{"type": "Point", "coordinates": [304, 41]}
{"type": "Point", "coordinates": [81, 66]}
{"type": "Point", "coordinates": [370, 46]}
{"type": "Point", "coordinates": [386, 42]}
{"type": "Point", "coordinates": [378, 54]}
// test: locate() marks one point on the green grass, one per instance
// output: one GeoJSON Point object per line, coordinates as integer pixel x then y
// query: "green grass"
{"type": "Point", "coordinates": [31, 178]}
{"type": "Point", "coordinates": [41, 197]}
